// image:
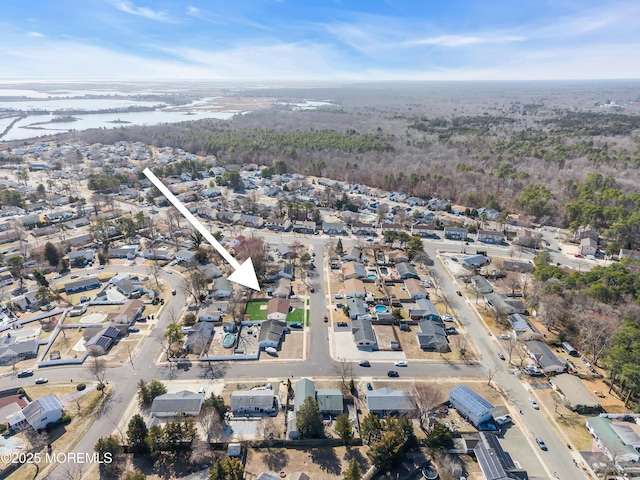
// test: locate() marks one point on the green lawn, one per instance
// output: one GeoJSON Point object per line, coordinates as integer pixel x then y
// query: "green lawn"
{"type": "Point", "coordinates": [257, 313]}
{"type": "Point", "coordinates": [297, 315]}
{"type": "Point", "coordinates": [307, 318]}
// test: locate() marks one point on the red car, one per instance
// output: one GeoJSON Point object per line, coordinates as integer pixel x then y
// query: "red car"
{"type": "Point", "coordinates": [325, 319]}
{"type": "Point", "coordinates": [578, 255]}
{"type": "Point", "coordinates": [311, 289]}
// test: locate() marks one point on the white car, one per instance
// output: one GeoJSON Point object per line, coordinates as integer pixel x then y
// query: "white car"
{"type": "Point", "coordinates": [534, 404]}
{"type": "Point", "coordinates": [57, 277]}
{"type": "Point", "coordinates": [505, 336]}
{"type": "Point", "coordinates": [401, 363]}
{"type": "Point", "coordinates": [169, 271]}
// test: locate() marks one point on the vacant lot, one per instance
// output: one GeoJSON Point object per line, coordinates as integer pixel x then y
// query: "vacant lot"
{"type": "Point", "coordinates": [66, 341]}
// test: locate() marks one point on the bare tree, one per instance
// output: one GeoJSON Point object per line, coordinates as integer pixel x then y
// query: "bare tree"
{"type": "Point", "coordinates": [426, 398]}
{"type": "Point", "coordinates": [211, 422]}
{"type": "Point", "coordinates": [344, 370]}
{"type": "Point", "coordinates": [460, 343]}
{"type": "Point", "coordinates": [72, 471]}
{"type": "Point", "coordinates": [270, 428]}
{"type": "Point", "coordinates": [597, 329]}
{"type": "Point", "coordinates": [490, 372]}
{"type": "Point", "coordinates": [98, 368]}
{"type": "Point", "coordinates": [37, 439]}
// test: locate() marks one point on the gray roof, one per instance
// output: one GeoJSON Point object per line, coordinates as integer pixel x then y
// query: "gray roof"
{"type": "Point", "coordinates": [474, 260]}
{"type": "Point", "coordinates": [303, 388]}
{"type": "Point", "coordinates": [406, 270]}
{"type": "Point", "coordinates": [432, 336]}
{"type": "Point", "coordinates": [493, 460]}
{"type": "Point", "coordinates": [9, 348]}
{"type": "Point", "coordinates": [272, 330]}
{"type": "Point", "coordinates": [363, 330]}
{"type": "Point", "coordinates": [222, 283]}
{"type": "Point", "coordinates": [329, 399]}
{"type": "Point", "coordinates": [470, 399]}
{"type": "Point", "coordinates": [482, 284]}
{"type": "Point", "coordinates": [184, 401]}
{"type": "Point", "coordinates": [41, 406]}
{"type": "Point", "coordinates": [388, 400]}
{"type": "Point", "coordinates": [603, 428]}
{"type": "Point", "coordinates": [427, 308]}
{"type": "Point", "coordinates": [186, 254]}
{"type": "Point", "coordinates": [575, 391]}
{"type": "Point", "coordinates": [251, 399]}
{"type": "Point", "coordinates": [357, 306]}
{"type": "Point", "coordinates": [82, 283]}
{"type": "Point", "coordinates": [543, 354]}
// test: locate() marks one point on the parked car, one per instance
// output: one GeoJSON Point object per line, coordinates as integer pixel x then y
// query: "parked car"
{"type": "Point", "coordinates": [500, 421]}
{"type": "Point", "coordinates": [450, 330]}
{"type": "Point", "coordinates": [57, 277]}
{"type": "Point", "coordinates": [505, 336]}
{"type": "Point", "coordinates": [364, 363]}
{"type": "Point", "coordinates": [534, 404]}
{"type": "Point", "coordinates": [541, 444]}
{"type": "Point", "coordinates": [392, 373]}
{"type": "Point", "coordinates": [447, 318]}
{"type": "Point", "coordinates": [338, 296]}
{"type": "Point", "coordinates": [578, 255]}
{"type": "Point", "coordinates": [295, 325]}
{"type": "Point", "coordinates": [343, 324]}
{"type": "Point", "coordinates": [369, 386]}
{"type": "Point", "coordinates": [74, 276]}
{"type": "Point", "coordinates": [326, 319]}
{"type": "Point", "coordinates": [100, 267]}
{"type": "Point", "coordinates": [401, 363]}
{"type": "Point", "coordinates": [25, 373]}
{"type": "Point", "coordinates": [173, 291]}
{"type": "Point", "coordinates": [501, 356]}
{"type": "Point", "coordinates": [41, 380]}
{"type": "Point", "coordinates": [169, 271]}
{"type": "Point", "coordinates": [311, 289]}
{"type": "Point", "coordinates": [339, 305]}
{"type": "Point", "coordinates": [459, 293]}
{"type": "Point", "coordinates": [133, 329]}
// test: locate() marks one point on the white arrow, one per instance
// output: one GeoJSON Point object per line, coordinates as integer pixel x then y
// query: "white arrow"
{"type": "Point", "coordinates": [244, 274]}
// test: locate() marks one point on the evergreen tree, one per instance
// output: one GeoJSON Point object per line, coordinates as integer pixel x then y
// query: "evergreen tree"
{"type": "Point", "coordinates": [309, 419]}
{"type": "Point", "coordinates": [51, 254]}
{"type": "Point", "coordinates": [343, 427]}
{"type": "Point", "coordinates": [137, 434]}
{"type": "Point", "coordinates": [353, 472]}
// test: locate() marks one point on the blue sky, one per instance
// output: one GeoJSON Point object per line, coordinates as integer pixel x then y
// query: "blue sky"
{"type": "Point", "coordinates": [262, 40]}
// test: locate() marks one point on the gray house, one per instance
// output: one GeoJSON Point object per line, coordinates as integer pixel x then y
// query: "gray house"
{"type": "Point", "coordinates": [171, 404]}
{"type": "Point", "coordinates": [363, 334]}
{"type": "Point", "coordinates": [253, 401]}
{"type": "Point", "coordinates": [432, 337]}
{"type": "Point", "coordinates": [424, 309]}
{"type": "Point", "coordinates": [303, 388]}
{"type": "Point", "coordinates": [544, 357]}
{"type": "Point", "coordinates": [385, 401]}
{"type": "Point", "coordinates": [330, 400]}
{"type": "Point", "coordinates": [357, 308]}
{"type": "Point", "coordinates": [406, 270]}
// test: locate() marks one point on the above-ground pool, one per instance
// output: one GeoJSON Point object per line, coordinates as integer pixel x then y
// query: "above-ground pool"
{"type": "Point", "coordinates": [381, 308]}
{"type": "Point", "coordinates": [228, 340]}
{"type": "Point", "coordinates": [372, 276]}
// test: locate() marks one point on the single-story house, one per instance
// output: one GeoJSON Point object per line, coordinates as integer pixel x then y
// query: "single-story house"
{"type": "Point", "coordinates": [432, 337]}
{"type": "Point", "coordinates": [302, 389]}
{"type": "Point", "coordinates": [253, 401]}
{"type": "Point", "coordinates": [129, 286]}
{"type": "Point", "coordinates": [102, 340]}
{"type": "Point", "coordinates": [11, 348]}
{"type": "Point", "coordinates": [406, 270]}
{"type": "Point", "coordinates": [81, 257]}
{"type": "Point", "coordinates": [330, 400]}
{"type": "Point", "coordinates": [210, 314]}
{"type": "Point", "coordinates": [363, 334]}
{"type": "Point", "coordinates": [577, 396]}
{"type": "Point", "coordinates": [278, 224]}
{"type": "Point", "coordinates": [282, 288]}
{"type": "Point", "coordinates": [474, 261]}
{"type": "Point", "coordinates": [617, 440]}
{"type": "Point", "coordinates": [271, 333]}
{"type": "Point", "coordinates": [353, 255]}
{"type": "Point", "coordinates": [503, 304]}
{"type": "Point", "coordinates": [198, 337]}
{"type": "Point", "coordinates": [494, 462]}
{"type": "Point", "coordinates": [171, 404]}
{"type": "Point", "coordinates": [481, 284]}
{"type": "Point", "coordinates": [210, 271]}
{"type": "Point", "coordinates": [357, 308]}
{"type": "Point", "coordinates": [415, 288]}
{"type": "Point", "coordinates": [82, 284]}
{"type": "Point", "coordinates": [127, 251]}
{"type": "Point", "coordinates": [6, 279]}
{"type": "Point", "coordinates": [397, 256]}
{"type": "Point", "coordinates": [386, 401]}
{"type": "Point", "coordinates": [161, 254]}
{"type": "Point", "coordinates": [544, 357]}
{"type": "Point", "coordinates": [470, 405]}
{"type": "Point", "coordinates": [527, 238]}
{"type": "Point", "coordinates": [129, 313]}
{"type": "Point", "coordinates": [353, 270]}
{"type": "Point", "coordinates": [624, 253]}
{"type": "Point", "coordinates": [251, 221]}
{"type": "Point", "coordinates": [222, 287]}
{"type": "Point", "coordinates": [424, 309]}
{"type": "Point", "coordinates": [521, 267]}
{"type": "Point", "coordinates": [354, 287]}
{"type": "Point", "coordinates": [286, 271]}
{"type": "Point", "coordinates": [185, 256]}
{"type": "Point", "coordinates": [520, 325]}
{"type": "Point", "coordinates": [278, 308]}
{"type": "Point", "coordinates": [38, 413]}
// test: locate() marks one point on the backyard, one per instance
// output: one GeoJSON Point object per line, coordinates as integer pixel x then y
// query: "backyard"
{"type": "Point", "coordinates": [257, 310]}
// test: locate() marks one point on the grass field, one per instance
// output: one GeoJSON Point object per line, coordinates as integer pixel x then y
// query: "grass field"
{"type": "Point", "coordinates": [256, 310]}
{"type": "Point", "coordinates": [297, 315]}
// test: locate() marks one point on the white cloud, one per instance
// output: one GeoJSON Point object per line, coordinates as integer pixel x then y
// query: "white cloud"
{"type": "Point", "coordinates": [193, 11]}
{"type": "Point", "coordinates": [35, 34]}
{"type": "Point", "coordinates": [128, 6]}
{"type": "Point", "coordinates": [464, 40]}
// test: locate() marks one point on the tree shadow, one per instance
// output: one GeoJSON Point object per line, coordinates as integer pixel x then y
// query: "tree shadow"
{"type": "Point", "coordinates": [355, 454]}
{"type": "Point", "coordinates": [326, 459]}
{"type": "Point", "coordinates": [212, 370]}
{"type": "Point", "coordinates": [276, 459]}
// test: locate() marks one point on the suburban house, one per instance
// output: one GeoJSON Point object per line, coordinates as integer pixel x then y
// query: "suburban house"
{"type": "Point", "coordinates": [6, 279]}
{"type": "Point", "coordinates": [211, 314]}
{"type": "Point", "coordinates": [286, 271]}
{"type": "Point", "coordinates": [523, 330]}
{"type": "Point", "coordinates": [588, 246]}
{"type": "Point", "coordinates": [129, 286]}
{"type": "Point", "coordinates": [251, 221]}
{"type": "Point", "coordinates": [82, 284]}
{"type": "Point", "coordinates": [406, 270]}
{"type": "Point", "coordinates": [26, 301]}
{"type": "Point", "coordinates": [392, 227]}
{"type": "Point", "coordinates": [330, 401]}
{"type": "Point", "coordinates": [13, 348]}
{"type": "Point", "coordinates": [333, 228]}
{"type": "Point", "coordinates": [354, 287]}
{"type": "Point", "coordinates": [162, 254]}
{"type": "Point", "coordinates": [386, 401]}
{"type": "Point", "coordinates": [353, 270]}
{"type": "Point", "coordinates": [185, 256]}
{"type": "Point", "coordinates": [486, 236]}
{"type": "Point", "coordinates": [272, 333]}
{"type": "Point", "coordinates": [423, 231]}
{"type": "Point", "coordinates": [210, 271]}
{"type": "Point", "coordinates": [9, 236]}
{"type": "Point", "coordinates": [432, 337]}
{"type": "Point", "coordinates": [363, 334]}
{"type": "Point", "coordinates": [397, 256]}
{"type": "Point", "coordinates": [471, 406]}
{"type": "Point", "coordinates": [455, 233]}
{"type": "Point", "coordinates": [357, 308]}
{"type": "Point", "coordinates": [494, 462]}
{"type": "Point", "coordinates": [129, 313]}
{"type": "Point", "coordinates": [481, 284]}
{"type": "Point", "coordinates": [172, 404]}
{"type": "Point", "coordinates": [358, 228]}
{"type": "Point", "coordinates": [101, 340]}
{"type": "Point", "coordinates": [624, 253]}
{"type": "Point", "coordinates": [415, 288]}
{"type": "Point", "coordinates": [127, 251]}
{"type": "Point", "coordinates": [197, 337]}
{"type": "Point", "coordinates": [526, 238]}
{"type": "Point", "coordinates": [578, 397]}
{"type": "Point", "coordinates": [354, 254]}
{"type": "Point", "coordinates": [282, 288]}
{"type": "Point", "coordinates": [618, 440]}
{"type": "Point", "coordinates": [544, 357]}
{"type": "Point", "coordinates": [302, 389]}
{"type": "Point", "coordinates": [424, 309]}
{"type": "Point", "coordinates": [300, 226]}
{"type": "Point", "coordinates": [514, 266]}
{"type": "Point", "coordinates": [81, 257]}
{"type": "Point", "coordinates": [278, 224]}
{"type": "Point", "coordinates": [278, 308]}
{"type": "Point", "coordinates": [253, 401]}
{"type": "Point", "coordinates": [222, 287]}
{"type": "Point", "coordinates": [474, 261]}
{"type": "Point", "coordinates": [503, 304]}
{"type": "Point", "coordinates": [37, 414]}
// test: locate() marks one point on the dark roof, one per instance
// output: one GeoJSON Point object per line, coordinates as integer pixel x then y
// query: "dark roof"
{"type": "Point", "coordinates": [183, 401]}
{"type": "Point", "coordinates": [363, 330]}
{"type": "Point", "coordinates": [81, 283]}
{"type": "Point", "coordinates": [389, 400]}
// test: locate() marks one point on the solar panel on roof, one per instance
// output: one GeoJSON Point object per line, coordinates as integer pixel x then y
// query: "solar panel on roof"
{"type": "Point", "coordinates": [470, 399]}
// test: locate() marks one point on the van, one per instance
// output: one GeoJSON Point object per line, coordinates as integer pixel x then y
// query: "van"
{"type": "Point", "coordinates": [567, 347]}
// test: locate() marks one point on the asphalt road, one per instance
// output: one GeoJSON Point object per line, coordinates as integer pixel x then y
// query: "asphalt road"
{"type": "Point", "coordinates": [318, 363]}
